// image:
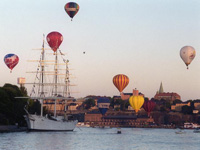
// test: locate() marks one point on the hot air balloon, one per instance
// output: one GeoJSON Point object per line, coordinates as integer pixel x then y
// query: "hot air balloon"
{"type": "Point", "coordinates": [187, 54]}
{"type": "Point", "coordinates": [71, 8]}
{"type": "Point", "coordinates": [120, 81]}
{"type": "Point", "coordinates": [136, 102]}
{"type": "Point", "coordinates": [149, 106]}
{"type": "Point", "coordinates": [54, 40]}
{"type": "Point", "coordinates": [11, 60]}
{"type": "Point", "coordinates": [103, 104]}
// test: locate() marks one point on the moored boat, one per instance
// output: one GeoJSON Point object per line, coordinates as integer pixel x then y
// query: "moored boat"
{"type": "Point", "coordinates": [197, 130]}
{"type": "Point", "coordinates": [51, 122]}
{"type": "Point", "coordinates": [180, 132]}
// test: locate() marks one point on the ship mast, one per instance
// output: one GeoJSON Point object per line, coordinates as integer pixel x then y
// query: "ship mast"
{"type": "Point", "coordinates": [67, 82]}
{"type": "Point", "coordinates": [56, 81]}
{"type": "Point", "coordinates": [42, 78]}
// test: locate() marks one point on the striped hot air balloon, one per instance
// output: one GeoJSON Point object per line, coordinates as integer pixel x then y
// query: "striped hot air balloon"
{"type": "Point", "coordinates": [71, 8]}
{"type": "Point", "coordinates": [120, 81]}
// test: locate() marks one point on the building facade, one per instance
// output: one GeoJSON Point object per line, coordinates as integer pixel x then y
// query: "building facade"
{"type": "Point", "coordinates": [117, 120]}
{"type": "Point", "coordinates": [166, 96]}
{"type": "Point", "coordinates": [178, 106]}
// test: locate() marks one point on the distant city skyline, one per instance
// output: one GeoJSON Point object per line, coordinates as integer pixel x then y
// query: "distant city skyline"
{"type": "Point", "coordinates": [141, 39]}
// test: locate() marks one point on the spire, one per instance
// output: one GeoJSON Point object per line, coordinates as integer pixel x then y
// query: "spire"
{"type": "Point", "coordinates": [161, 88]}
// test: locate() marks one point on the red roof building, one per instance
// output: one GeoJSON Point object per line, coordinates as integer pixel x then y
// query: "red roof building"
{"type": "Point", "coordinates": [166, 96]}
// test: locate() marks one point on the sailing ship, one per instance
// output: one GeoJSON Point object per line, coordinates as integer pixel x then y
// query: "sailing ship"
{"type": "Point", "coordinates": [56, 89]}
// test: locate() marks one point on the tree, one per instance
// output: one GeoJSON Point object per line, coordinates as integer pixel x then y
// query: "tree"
{"type": "Point", "coordinates": [177, 101]}
{"type": "Point", "coordinates": [10, 106]}
{"type": "Point", "coordinates": [89, 103]}
{"type": "Point", "coordinates": [186, 109]}
{"type": "Point", "coordinates": [34, 107]}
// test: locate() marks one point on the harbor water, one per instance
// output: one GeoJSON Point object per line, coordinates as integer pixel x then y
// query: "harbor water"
{"type": "Point", "coordinates": [102, 139]}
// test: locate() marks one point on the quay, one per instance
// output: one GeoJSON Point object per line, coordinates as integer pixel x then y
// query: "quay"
{"type": "Point", "coordinates": [11, 128]}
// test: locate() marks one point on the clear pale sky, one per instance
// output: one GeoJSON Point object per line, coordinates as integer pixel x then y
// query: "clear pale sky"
{"type": "Point", "coordinates": [138, 38]}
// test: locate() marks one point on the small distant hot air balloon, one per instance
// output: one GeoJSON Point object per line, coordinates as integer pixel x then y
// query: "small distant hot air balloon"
{"type": "Point", "coordinates": [11, 60]}
{"type": "Point", "coordinates": [120, 81]}
{"type": "Point", "coordinates": [71, 8]}
{"type": "Point", "coordinates": [149, 106]}
{"type": "Point", "coordinates": [54, 40]}
{"type": "Point", "coordinates": [136, 101]}
{"type": "Point", "coordinates": [103, 104]}
{"type": "Point", "coordinates": [187, 54]}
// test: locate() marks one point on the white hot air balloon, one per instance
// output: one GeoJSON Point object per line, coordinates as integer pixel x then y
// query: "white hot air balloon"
{"type": "Point", "coordinates": [187, 54]}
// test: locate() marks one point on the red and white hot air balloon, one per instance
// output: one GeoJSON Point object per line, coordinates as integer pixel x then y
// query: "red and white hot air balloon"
{"type": "Point", "coordinates": [54, 40]}
{"type": "Point", "coordinates": [11, 60]}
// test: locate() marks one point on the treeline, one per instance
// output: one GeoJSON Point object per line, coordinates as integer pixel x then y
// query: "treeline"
{"type": "Point", "coordinates": [12, 107]}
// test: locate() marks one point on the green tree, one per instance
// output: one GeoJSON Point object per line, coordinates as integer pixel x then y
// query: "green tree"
{"type": "Point", "coordinates": [5, 105]}
{"type": "Point", "coordinates": [11, 106]}
{"type": "Point", "coordinates": [177, 101]}
{"type": "Point", "coordinates": [89, 103]}
{"type": "Point", "coordinates": [34, 107]}
{"type": "Point", "coordinates": [186, 109]}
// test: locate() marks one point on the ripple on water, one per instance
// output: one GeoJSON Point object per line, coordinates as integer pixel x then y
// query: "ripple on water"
{"type": "Point", "coordinates": [101, 139]}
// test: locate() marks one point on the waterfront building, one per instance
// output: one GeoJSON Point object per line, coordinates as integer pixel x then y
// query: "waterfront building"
{"type": "Point", "coordinates": [71, 105]}
{"type": "Point", "coordinates": [117, 120]}
{"type": "Point", "coordinates": [125, 96]}
{"type": "Point", "coordinates": [197, 105]}
{"type": "Point", "coordinates": [178, 106]}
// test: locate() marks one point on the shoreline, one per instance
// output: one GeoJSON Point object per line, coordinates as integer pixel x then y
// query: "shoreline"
{"type": "Point", "coordinates": [11, 128]}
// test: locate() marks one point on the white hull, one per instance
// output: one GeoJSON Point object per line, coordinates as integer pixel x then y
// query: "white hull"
{"type": "Point", "coordinates": [39, 123]}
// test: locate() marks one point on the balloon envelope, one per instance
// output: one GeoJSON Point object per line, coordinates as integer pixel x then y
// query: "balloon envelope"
{"type": "Point", "coordinates": [136, 102]}
{"type": "Point", "coordinates": [11, 60]}
{"type": "Point", "coordinates": [149, 106]}
{"type": "Point", "coordinates": [103, 104]}
{"type": "Point", "coordinates": [187, 54]}
{"type": "Point", "coordinates": [71, 8]}
{"type": "Point", "coordinates": [120, 81]}
{"type": "Point", "coordinates": [54, 40]}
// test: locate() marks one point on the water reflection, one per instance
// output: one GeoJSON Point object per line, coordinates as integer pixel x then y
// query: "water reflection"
{"type": "Point", "coordinates": [101, 139]}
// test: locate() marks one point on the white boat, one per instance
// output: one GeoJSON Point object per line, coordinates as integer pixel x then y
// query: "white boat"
{"type": "Point", "coordinates": [180, 132]}
{"type": "Point", "coordinates": [49, 122]}
{"type": "Point", "coordinates": [197, 130]}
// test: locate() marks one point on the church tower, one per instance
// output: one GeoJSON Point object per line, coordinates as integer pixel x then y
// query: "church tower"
{"type": "Point", "coordinates": [161, 88]}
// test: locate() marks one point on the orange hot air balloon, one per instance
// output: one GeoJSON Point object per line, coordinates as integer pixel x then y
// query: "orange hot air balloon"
{"type": "Point", "coordinates": [120, 81]}
{"type": "Point", "coordinates": [136, 102]}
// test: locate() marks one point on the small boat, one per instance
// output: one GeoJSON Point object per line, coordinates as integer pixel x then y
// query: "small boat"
{"type": "Point", "coordinates": [197, 130]}
{"type": "Point", "coordinates": [180, 132]}
{"type": "Point", "coordinates": [119, 131]}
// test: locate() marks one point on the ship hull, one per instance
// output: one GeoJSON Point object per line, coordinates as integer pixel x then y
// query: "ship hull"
{"type": "Point", "coordinates": [40, 123]}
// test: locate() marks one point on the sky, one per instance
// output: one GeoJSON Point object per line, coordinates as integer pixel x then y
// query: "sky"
{"type": "Point", "coordinates": [139, 38]}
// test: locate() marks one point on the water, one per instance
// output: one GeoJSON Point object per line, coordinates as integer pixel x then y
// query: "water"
{"type": "Point", "coordinates": [102, 139]}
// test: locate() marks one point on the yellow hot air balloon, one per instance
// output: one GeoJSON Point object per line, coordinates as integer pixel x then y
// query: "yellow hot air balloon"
{"type": "Point", "coordinates": [136, 102]}
{"type": "Point", "coordinates": [120, 81]}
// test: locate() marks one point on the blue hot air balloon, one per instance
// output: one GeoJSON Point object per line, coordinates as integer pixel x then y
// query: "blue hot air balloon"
{"type": "Point", "coordinates": [103, 104]}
